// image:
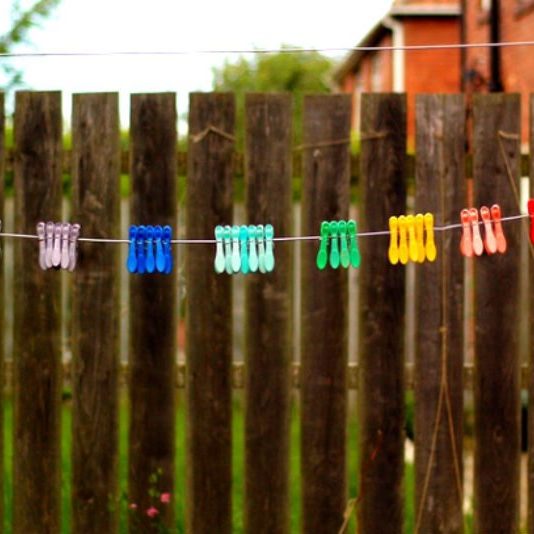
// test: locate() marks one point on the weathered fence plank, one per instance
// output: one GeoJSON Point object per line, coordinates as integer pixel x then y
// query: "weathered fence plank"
{"type": "Point", "coordinates": [531, 339]}
{"type": "Point", "coordinates": [324, 312]}
{"type": "Point", "coordinates": [496, 171]}
{"type": "Point", "coordinates": [440, 189]}
{"type": "Point", "coordinates": [37, 344]}
{"type": "Point", "coordinates": [152, 316]}
{"type": "Point", "coordinates": [209, 316]}
{"type": "Point", "coordinates": [95, 314]}
{"type": "Point", "coordinates": [2, 309]}
{"type": "Point", "coordinates": [268, 317]}
{"type": "Point", "coordinates": [382, 296]}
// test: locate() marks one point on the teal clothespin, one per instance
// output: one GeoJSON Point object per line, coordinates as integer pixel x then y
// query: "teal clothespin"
{"type": "Point", "coordinates": [334, 249]}
{"type": "Point", "coordinates": [236, 255]}
{"type": "Point", "coordinates": [228, 249]}
{"type": "Point", "coordinates": [269, 248]}
{"type": "Point", "coordinates": [260, 235]}
{"type": "Point", "coordinates": [253, 251]}
{"type": "Point", "coordinates": [345, 256]}
{"type": "Point", "coordinates": [219, 250]}
{"type": "Point", "coordinates": [243, 242]}
{"type": "Point", "coordinates": [354, 251]}
{"type": "Point", "coordinates": [322, 255]}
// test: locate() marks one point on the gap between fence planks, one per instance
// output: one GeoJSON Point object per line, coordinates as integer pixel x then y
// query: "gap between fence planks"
{"type": "Point", "coordinates": [497, 320]}
{"type": "Point", "coordinates": [324, 317]}
{"type": "Point", "coordinates": [95, 315]}
{"type": "Point", "coordinates": [153, 322]}
{"type": "Point", "coordinates": [531, 343]}
{"type": "Point", "coordinates": [37, 318]}
{"type": "Point", "coordinates": [440, 189]}
{"type": "Point", "coordinates": [382, 304]}
{"type": "Point", "coordinates": [268, 332]}
{"type": "Point", "coordinates": [209, 319]}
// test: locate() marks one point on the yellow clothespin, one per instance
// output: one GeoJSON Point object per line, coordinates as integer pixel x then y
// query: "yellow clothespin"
{"type": "Point", "coordinates": [393, 251]}
{"type": "Point", "coordinates": [431, 251]}
{"type": "Point", "coordinates": [412, 241]}
{"type": "Point", "coordinates": [403, 240]}
{"type": "Point", "coordinates": [420, 237]}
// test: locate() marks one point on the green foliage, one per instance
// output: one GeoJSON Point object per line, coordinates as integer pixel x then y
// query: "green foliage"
{"type": "Point", "coordinates": [22, 20]}
{"type": "Point", "coordinates": [298, 73]}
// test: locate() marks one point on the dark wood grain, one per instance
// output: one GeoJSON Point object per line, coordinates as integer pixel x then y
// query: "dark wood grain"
{"type": "Point", "coordinates": [95, 314]}
{"type": "Point", "coordinates": [209, 317]}
{"type": "Point", "coordinates": [324, 313]}
{"type": "Point", "coordinates": [153, 326]}
{"type": "Point", "coordinates": [37, 340]}
{"type": "Point", "coordinates": [497, 320]}
{"type": "Point", "coordinates": [382, 296]}
{"type": "Point", "coordinates": [440, 189]}
{"type": "Point", "coordinates": [531, 339]}
{"type": "Point", "coordinates": [2, 312]}
{"type": "Point", "coordinates": [268, 342]}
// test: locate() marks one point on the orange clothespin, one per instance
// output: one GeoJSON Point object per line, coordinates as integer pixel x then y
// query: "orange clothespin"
{"type": "Point", "coordinates": [497, 225]}
{"type": "Point", "coordinates": [466, 243]}
{"type": "Point", "coordinates": [478, 245]}
{"type": "Point", "coordinates": [531, 213]}
{"type": "Point", "coordinates": [490, 241]}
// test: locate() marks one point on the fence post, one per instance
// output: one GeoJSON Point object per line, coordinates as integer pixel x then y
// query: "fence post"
{"type": "Point", "coordinates": [153, 333]}
{"type": "Point", "coordinates": [531, 339]}
{"type": "Point", "coordinates": [95, 314]}
{"type": "Point", "coordinates": [440, 189]}
{"type": "Point", "coordinates": [496, 170]}
{"type": "Point", "coordinates": [37, 319]}
{"type": "Point", "coordinates": [209, 316]}
{"type": "Point", "coordinates": [324, 312]}
{"type": "Point", "coordinates": [382, 296]}
{"type": "Point", "coordinates": [269, 317]}
{"type": "Point", "coordinates": [2, 312]}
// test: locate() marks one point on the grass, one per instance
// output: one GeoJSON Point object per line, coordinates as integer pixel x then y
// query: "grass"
{"type": "Point", "coordinates": [238, 458]}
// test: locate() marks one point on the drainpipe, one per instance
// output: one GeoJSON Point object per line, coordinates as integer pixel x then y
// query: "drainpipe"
{"type": "Point", "coordinates": [495, 82]}
{"type": "Point", "coordinates": [397, 31]}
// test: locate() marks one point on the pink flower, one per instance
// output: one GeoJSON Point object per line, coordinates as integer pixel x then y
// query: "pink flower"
{"type": "Point", "coordinates": [165, 498]}
{"type": "Point", "coordinates": [152, 512]}
{"type": "Point", "coordinates": [132, 506]}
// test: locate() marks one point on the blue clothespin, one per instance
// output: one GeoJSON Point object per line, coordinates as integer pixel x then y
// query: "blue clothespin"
{"type": "Point", "coordinates": [166, 242]}
{"type": "Point", "coordinates": [131, 263]}
{"type": "Point", "coordinates": [150, 258]}
{"type": "Point", "coordinates": [140, 249]}
{"type": "Point", "coordinates": [160, 257]}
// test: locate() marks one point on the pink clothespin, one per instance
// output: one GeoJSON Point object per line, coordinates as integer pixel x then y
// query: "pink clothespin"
{"type": "Point", "coordinates": [499, 234]}
{"type": "Point", "coordinates": [478, 245]}
{"type": "Point", "coordinates": [531, 213]}
{"type": "Point", "coordinates": [466, 243]}
{"type": "Point", "coordinates": [490, 241]}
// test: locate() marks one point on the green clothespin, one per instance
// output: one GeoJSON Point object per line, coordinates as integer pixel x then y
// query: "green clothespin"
{"type": "Point", "coordinates": [334, 249]}
{"type": "Point", "coordinates": [355, 256]}
{"type": "Point", "coordinates": [322, 255]}
{"type": "Point", "coordinates": [345, 256]}
{"type": "Point", "coordinates": [253, 251]}
{"type": "Point", "coordinates": [228, 249]}
{"type": "Point", "coordinates": [236, 256]}
{"type": "Point", "coordinates": [269, 248]}
{"type": "Point", "coordinates": [219, 253]}
{"type": "Point", "coordinates": [261, 248]}
{"type": "Point", "coordinates": [243, 240]}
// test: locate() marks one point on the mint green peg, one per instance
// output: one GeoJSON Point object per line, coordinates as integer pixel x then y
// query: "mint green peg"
{"type": "Point", "coordinates": [269, 246]}
{"type": "Point", "coordinates": [261, 248]}
{"type": "Point", "coordinates": [253, 251]}
{"type": "Point", "coordinates": [236, 256]}
{"type": "Point", "coordinates": [345, 256]}
{"type": "Point", "coordinates": [334, 250]}
{"type": "Point", "coordinates": [322, 255]}
{"type": "Point", "coordinates": [219, 253]}
{"type": "Point", "coordinates": [243, 239]}
{"type": "Point", "coordinates": [355, 256]}
{"type": "Point", "coordinates": [228, 249]}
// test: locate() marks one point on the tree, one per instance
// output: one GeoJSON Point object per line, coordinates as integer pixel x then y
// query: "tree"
{"type": "Point", "coordinates": [297, 72]}
{"type": "Point", "coordinates": [22, 20]}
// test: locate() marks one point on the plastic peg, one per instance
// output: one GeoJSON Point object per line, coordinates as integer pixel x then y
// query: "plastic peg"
{"type": "Point", "coordinates": [65, 232]}
{"type": "Point", "coordinates": [56, 250]}
{"type": "Point", "coordinates": [490, 241]}
{"type": "Point", "coordinates": [393, 251]}
{"type": "Point", "coordinates": [243, 242]}
{"type": "Point", "coordinates": [166, 244]}
{"type": "Point", "coordinates": [260, 237]}
{"type": "Point", "coordinates": [140, 249]}
{"type": "Point", "coordinates": [420, 237]}
{"type": "Point", "coordinates": [160, 256]}
{"type": "Point", "coordinates": [478, 245]}
{"type": "Point", "coordinates": [131, 262]}
{"type": "Point", "coordinates": [412, 242]}
{"type": "Point", "coordinates": [236, 256]}
{"type": "Point", "coordinates": [269, 248]}
{"type": "Point", "coordinates": [466, 242]}
{"type": "Point", "coordinates": [219, 262]}
{"type": "Point", "coordinates": [345, 255]}
{"type": "Point", "coordinates": [150, 257]}
{"type": "Point", "coordinates": [497, 226]}
{"type": "Point", "coordinates": [228, 249]}
{"type": "Point", "coordinates": [354, 251]}
{"type": "Point", "coordinates": [74, 234]}
{"type": "Point", "coordinates": [530, 207]}
{"type": "Point", "coordinates": [49, 244]}
{"type": "Point", "coordinates": [403, 240]}
{"type": "Point", "coordinates": [253, 251]}
{"type": "Point", "coordinates": [334, 245]}
{"type": "Point", "coordinates": [322, 255]}
{"type": "Point", "coordinates": [42, 245]}
{"type": "Point", "coordinates": [430, 247]}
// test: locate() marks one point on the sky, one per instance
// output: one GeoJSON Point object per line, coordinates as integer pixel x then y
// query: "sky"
{"type": "Point", "coordinates": [167, 25]}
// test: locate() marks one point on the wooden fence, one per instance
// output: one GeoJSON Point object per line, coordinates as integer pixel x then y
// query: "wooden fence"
{"type": "Point", "coordinates": [37, 161]}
